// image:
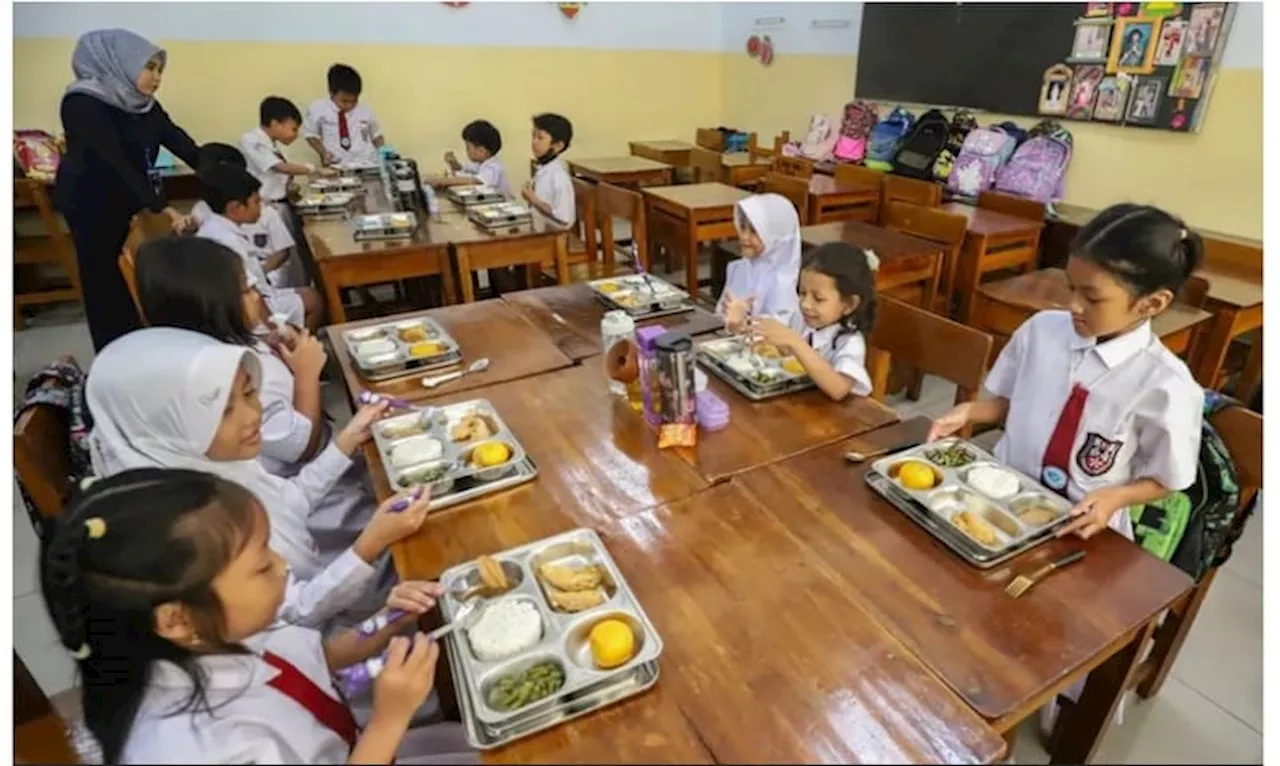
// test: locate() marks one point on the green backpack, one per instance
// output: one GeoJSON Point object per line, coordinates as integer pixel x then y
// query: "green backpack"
{"type": "Point", "coordinates": [1192, 529]}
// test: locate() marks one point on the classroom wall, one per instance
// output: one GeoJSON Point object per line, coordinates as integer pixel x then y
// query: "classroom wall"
{"type": "Point", "coordinates": [1212, 178]}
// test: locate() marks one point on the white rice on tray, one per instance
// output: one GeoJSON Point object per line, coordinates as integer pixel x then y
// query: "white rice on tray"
{"type": "Point", "coordinates": [506, 628]}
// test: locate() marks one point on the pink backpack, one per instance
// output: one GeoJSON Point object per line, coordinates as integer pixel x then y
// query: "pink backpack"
{"type": "Point", "coordinates": [859, 118]}
{"type": "Point", "coordinates": [1037, 170]}
{"type": "Point", "coordinates": [818, 142]}
{"type": "Point", "coordinates": [983, 152]}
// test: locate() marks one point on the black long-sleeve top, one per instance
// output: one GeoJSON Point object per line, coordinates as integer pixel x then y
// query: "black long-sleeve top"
{"type": "Point", "coordinates": [109, 153]}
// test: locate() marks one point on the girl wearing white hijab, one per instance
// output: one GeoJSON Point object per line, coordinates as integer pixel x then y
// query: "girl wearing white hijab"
{"type": "Point", "coordinates": [763, 282]}
{"type": "Point", "coordinates": [169, 398]}
{"type": "Point", "coordinates": [114, 129]}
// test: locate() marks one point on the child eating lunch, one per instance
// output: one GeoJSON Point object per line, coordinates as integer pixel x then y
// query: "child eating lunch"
{"type": "Point", "coordinates": [763, 282]}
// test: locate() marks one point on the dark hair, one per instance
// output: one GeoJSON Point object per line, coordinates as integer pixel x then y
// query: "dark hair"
{"type": "Point", "coordinates": [850, 268]}
{"type": "Point", "coordinates": [556, 126]}
{"type": "Point", "coordinates": [1142, 246]}
{"type": "Point", "coordinates": [344, 79]}
{"type": "Point", "coordinates": [483, 134]}
{"type": "Point", "coordinates": [132, 542]}
{"type": "Point", "coordinates": [213, 154]}
{"type": "Point", "coordinates": [193, 283]}
{"type": "Point", "coordinates": [277, 109]}
{"type": "Point", "coordinates": [226, 183]}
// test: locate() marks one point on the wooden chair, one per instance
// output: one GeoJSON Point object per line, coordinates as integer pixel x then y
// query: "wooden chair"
{"type": "Point", "coordinates": [898, 189]}
{"type": "Point", "coordinates": [794, 189]}
{"type": "Point", "coordinates": [584, 247]}
{"type": "Point", "coordinates": [929, 343]}
{"type": "Point", "coordinates": [796, 167]}
{"type": "Point", "coordinates": [947, 229]}
{"type": "Point", "coordinates": [707, 166]}
{"type": "Point", "coordinates": [36, 252]}
{"type": "Point", "coordinates": [616, 202]}
{"type": "Point", "coordinates": [1010, 204]}
{"type": "Point", "coordinates": [127, 260]}
{"type": "Point", "coordinates": [39, 733]}
{"type": "Point", "coordinates": [1195, 293]}
{"type": "Point", "coordinates": [858, 174]}
{"type": "Point", "coordinates": [711, 139]}
{"type": "Point", "coordinates": [1241, 432]}
{"type": "Point", "coordinates": [755, 151]}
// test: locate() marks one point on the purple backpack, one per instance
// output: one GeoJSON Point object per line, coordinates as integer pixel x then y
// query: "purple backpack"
{"type": "Point", "coordinates": [1037, 170]}
{"type": "Point", "coordinates": [983, 152]}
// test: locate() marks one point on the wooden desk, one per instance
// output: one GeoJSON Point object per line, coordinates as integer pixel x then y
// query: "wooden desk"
{"type": "Point", "coordinates": [570, 315]}
{"type": "Point", "coordinates": [674, 153]}
{"type": "Point", "coordinates": [623, 171]}
{"type": "Point", "coordinates": [909, 266]}
{"type": "Point", "coordinates": [739, 169]}
{"type": "Point", "coordinates": [994, 242]}
{"type": "Point", "coordinates": [1001, 307]}
{"type": "Point", "coordinates": [475, 249]}
{"type": "Point", "coordinates": [1006, 658]}
{"type": "Point", "coordinates": [683, 217]}
{"type": "Point", "coordinates": [831, 201]}
{"type": "Point", "coordinates": [1235, 298]}
{"type": "Point", "coordinates": [492, 329]}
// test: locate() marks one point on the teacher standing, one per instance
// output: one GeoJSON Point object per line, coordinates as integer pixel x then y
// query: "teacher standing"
{"type": "Point", "coordinates": [114, 130]}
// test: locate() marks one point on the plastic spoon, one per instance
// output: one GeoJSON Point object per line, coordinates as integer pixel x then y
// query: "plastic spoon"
{"type": "Point", "coordinates": [479, 365]}
{"type": "Point", "coordinates": [369, 397]}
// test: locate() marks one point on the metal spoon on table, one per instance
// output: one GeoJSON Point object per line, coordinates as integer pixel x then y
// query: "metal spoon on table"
{"type": "Point", "coordinates": [479, 365]}
{"type": "Point", "coordinates": [466, 618]}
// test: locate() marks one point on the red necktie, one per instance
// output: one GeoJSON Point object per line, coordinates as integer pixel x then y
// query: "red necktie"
{"type": "Point", "coordinates": [295, 685]}
{"type": "Point", "coordinates": [1055, 469]}
{"type": "Point", "coordinates": [344, 132]}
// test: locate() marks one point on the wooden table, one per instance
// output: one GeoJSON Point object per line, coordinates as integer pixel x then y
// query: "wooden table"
{"type": "Point", "coordinates": [909, 266]}
{"type": "Point", "coordinates": [681, 218]}
{"type": "Point", "coordinates": [1006, 658]}
{"type": "Point", "coordinates": [994, 242]}
{"type": "Point", "coordinates": [539, 243]}
{"type": "Point", "coordinates": [570, 315]}
{"type": "Point", "coordinates": [830, 200]}
{"type": "Point", "coordinates": [492, 329]}
{"type": "Point", "coordinates": [674, 153]}
{"type": "Point", "coordinates": [623, 171]}
{"type": "Point", "coordinates": [741, 169]}
{"type": "Point", "coordinates": [1001, 307]}
{"type": "Point", "coordinates": [1235, 298]}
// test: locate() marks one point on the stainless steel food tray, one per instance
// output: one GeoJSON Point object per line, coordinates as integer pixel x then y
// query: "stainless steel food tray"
{"type": "Point", "coordinates": [475, 194]}
{"type": "Point", "coordinates": [564, 635]}
{"type": "Point", "coordinates": [500, 216]}
{"type": "Point", "coordinates": [399, 225]}
{"type": "Point", "coordinates": [460, 480]}
{"type": "Point", "coordinates": [339, 184]}
{"type": "Point", "coordinates": [328, 205]}
{"type": "Point", "coordinates": [642, 297]}
{"type": "Point", "coordinates": [360, 169]}
{"type": "Point", "coordinates": [934, 508]}
{"type": "Point", "coordinates": [395, 361]}
{"type": "Point", "coordinates": [730, 358]}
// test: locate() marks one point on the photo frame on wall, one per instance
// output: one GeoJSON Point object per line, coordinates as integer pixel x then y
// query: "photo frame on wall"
{"type": "Point", "coordinates": [1097, 9]}
{"type": "Point", "coordinates": [1173, 35]}
{"type": "Point", "coordinates": [1055, 89]}
{"type": "Point", "coordinates": [1113, 96]}
{"type": "Point", "coordinates": [1188, 78]}
{"type": "Point", "coordinates": [1092, 40]}
{"type": "Point", "coordinates": [1133, 45]}
{"type": "Point", "coordinates": [1204, 28]}
{"type": "Point", "coordinates": [1144, 103]}
{"type": "Point", "coordinates": [1084, 91]}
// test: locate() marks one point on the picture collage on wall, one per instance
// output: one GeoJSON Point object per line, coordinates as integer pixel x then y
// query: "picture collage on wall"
{"type": "Point", "coordinates": [1144, 64]}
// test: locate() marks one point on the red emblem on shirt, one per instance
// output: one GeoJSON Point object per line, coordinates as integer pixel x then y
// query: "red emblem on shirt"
{"type": "Point", "coordinates": [1097, 455]}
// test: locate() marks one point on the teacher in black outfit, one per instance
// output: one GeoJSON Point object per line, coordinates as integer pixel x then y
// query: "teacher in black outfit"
{"type": "Point", "coordinates": [114, 129]}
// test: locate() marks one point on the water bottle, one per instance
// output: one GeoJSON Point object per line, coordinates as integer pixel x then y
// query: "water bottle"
{"type": "Point", "coordinates": [433, 203]}
{"type": "Point", "coordinates": [355, 679]}
{"type": "Point", "coordinates": [614, 327]}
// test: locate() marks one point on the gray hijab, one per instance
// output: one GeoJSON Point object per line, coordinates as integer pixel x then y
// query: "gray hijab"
{"type": "Point", "coordinates": [107, 62]}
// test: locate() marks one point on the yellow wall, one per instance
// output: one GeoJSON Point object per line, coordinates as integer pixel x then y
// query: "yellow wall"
{"type": "Point", "coordinates": [423, 95]}
{"type": "Point", "coordinates": [1213, 178]}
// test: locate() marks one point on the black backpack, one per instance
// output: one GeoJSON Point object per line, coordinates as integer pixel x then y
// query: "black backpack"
{"type": "Point", "coordinates": [920, 149]}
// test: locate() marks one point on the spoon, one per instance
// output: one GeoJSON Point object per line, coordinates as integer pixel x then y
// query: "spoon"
{"type": "Point", "coordinates": [369, 397]}
{"type": "Point", "coordinates": [479, 365]}
{"type": "Point", "coordinates": [466, 618]}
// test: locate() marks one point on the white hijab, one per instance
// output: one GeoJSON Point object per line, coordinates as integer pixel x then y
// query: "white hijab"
{"type": "Point", "coordinates": [157, 396]}
{"type": "Point", "coordinates": [771, 276]}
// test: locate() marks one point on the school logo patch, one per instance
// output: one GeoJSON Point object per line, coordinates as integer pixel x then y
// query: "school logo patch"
{"type": "Point", "coordinates": [1097, 455]}
{"type": "Point", "coordinates": [261, 240]}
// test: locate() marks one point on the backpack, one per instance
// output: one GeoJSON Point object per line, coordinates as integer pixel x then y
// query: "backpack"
{"type": "Point", "coordinates": [1038, 169]}
{"type": "Point", "coordinates": [1013, 129]}
{"type": "Point", "coordinates": [885, 138]}
{"type": "Point", "coordinates": [60, 385]}
{"type": "Point", "coordinates": [983, 152]}
{"type": "Point", "coordinates": [922, 145]}
{"type": "Point", "coordinates": [818, 141]}
{"type": "Point", "coordinates": [961, 123]}
{"type": "Point", "coordinates": [1193, 529]}
{"type": "Point", "coordinates": [859, 119]}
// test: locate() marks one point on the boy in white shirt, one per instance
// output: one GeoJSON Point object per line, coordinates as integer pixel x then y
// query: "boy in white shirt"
{"type": "Point", "coordinates": [550, 191]}
{"type": "Point", "coordinates": [278, 123]}
{"type": "Point", "coordinates": [340, 128]}
{"type": "Point", "coordinates": [482, 142]}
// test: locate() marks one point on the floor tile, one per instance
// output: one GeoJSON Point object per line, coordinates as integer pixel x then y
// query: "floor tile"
{"type": "Point", "coordinates": [37, 642]}
{"type": "Point", "coordinates": [26, 549]}
{"type": "Point", "coordinates": [1246, 557]}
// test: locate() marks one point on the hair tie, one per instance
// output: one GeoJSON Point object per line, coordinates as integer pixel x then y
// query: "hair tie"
{"type": "Point", "coordinates": [83, 653]}
{"type": "Point", "coordinates": [873, 260]}
{"type": "Point", "coordinates": [96, 527]}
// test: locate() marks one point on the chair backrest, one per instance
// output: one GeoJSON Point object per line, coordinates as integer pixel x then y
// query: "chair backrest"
{"type": "Point", "coordinates": [929, 223]}
{"type": "Point", "coordinates": [917, 192]}
{"type": "Point", "coordinates": [707, 165]}
{"type": "Point", "coordinates": [1241, 432]}
{"type": "Point", "coordinates": [615, 201]}
{"type": "Point", "coordinates": [755, 151]}
{"type": "Point", "coordinates": [40, 442]}
{"type": "Point", "coordinates": [858, 174]}
{"type": "Point", "coordinates": [796, 167]}
{"type": "Point", "coordinates": [928, 342]}
{"type": "Point", "coordinates": [584, 200]}
{"type": "Point", "coordinates": [127, 261]}
{"type": "Point", "coordinates": [39, 735]}
{"type": "Point", "coordinates": [794, 189]}
{"type": "Point", "coordinates": [710, 138]}
{"type": "Point", "coordinates": [1010, 204]}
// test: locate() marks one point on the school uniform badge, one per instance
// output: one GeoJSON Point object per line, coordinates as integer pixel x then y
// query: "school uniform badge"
{"type": "Point", "coordinates": [1097, 455]}
{"type": "Point", "coordinates": [261, 240]}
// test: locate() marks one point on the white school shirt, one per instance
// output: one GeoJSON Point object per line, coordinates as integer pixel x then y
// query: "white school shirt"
{"type": "Point", "coordinates": [262, 154]}
{"type": "Point", "coordinates": [490, 173]}
{"type": "Point", "coordinates": [280, 300]}
{"type": "Point", "coordinates": [362, 127]}
{"type": "Point", "coordinates": [1141, 420]}
{"type": "Point", "coordinates": [270, 223]}
{"type": "Point", "coordinates": [552, 184]}
{"type": "Point", "coordinates": [250, 721]}
{"type": "Point", "coordinates": [845, 352]}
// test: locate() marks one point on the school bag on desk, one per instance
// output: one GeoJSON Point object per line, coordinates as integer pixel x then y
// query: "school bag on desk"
{"type": "Point", "coordinates": [859, 119]}
{"type": "Point", "coordinates": [818, 141]}
{"type": "Point", "coordinates": [983, 152]}
{"type": "Point", "coordinates": [962, 122]}
{"type": "Point", "coordinates": [882, 144]}
{"type": "Point", "coordinates": [922, 145]}
{"type": "Point", "coordinates": [1038, 168]}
